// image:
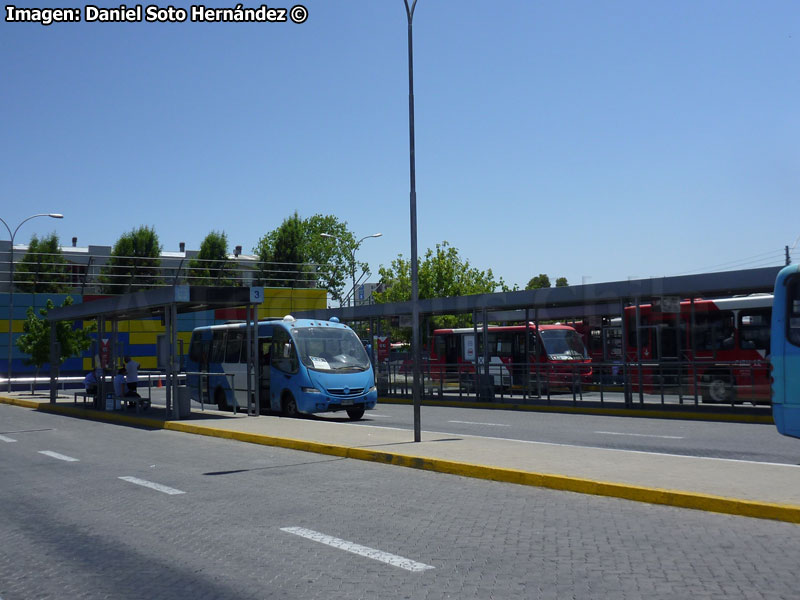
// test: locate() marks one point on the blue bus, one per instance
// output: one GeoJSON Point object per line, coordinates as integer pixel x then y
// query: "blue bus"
{"type": "Point", "coordinates": [785, 351]}
{"type": "Point", "coordinates": [304, 366]}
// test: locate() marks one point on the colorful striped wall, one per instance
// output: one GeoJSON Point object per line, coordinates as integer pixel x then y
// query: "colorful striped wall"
{"type": "Point", "coordinates": [138, 338]}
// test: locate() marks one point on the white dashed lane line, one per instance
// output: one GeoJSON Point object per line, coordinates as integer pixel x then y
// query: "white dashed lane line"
{"type": "Point", "coordinates": [6, 439]}
{"type": "Point", "coordinates": [58, 456]}
{"type": "Point", "coordinates": [153, 486]}
{"type": "Point", "coordinates": [379, 555]}
{"type": "Point", "coordinates": [476, 423]}
{"type": "Point", "coordinates": [665, 437]}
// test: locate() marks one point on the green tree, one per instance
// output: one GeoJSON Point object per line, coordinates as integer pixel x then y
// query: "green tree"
{"type": "Point", "coordinates": [442, 274]}
{"type": "Point", "coordinates": [43, 268]}
{"type": "Point", "coordinates": [562, 282]}
{"type": "Point", "coordinates": [538, 282]}
{"type": "Point", "coordinates": [35, 340]}
{"type": "Point", "coordinates": [311, 258]}
{"type": "Point", "coordinates": [282, 256]}
{"type": "Point", "coordinates": [334, 256]}
{"type": "Point", "coordinates": [212, 266]}
{"type": "Point", "coordinates": [134, 263]}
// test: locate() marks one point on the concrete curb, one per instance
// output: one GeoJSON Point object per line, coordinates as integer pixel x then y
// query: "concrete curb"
{"type": "Point", "coordinates": [677, 498]}
{"type": "Point", "coordinates": [611, 412]}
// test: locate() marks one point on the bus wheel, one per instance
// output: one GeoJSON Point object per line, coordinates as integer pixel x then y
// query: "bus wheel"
{"type": "Point", "coordinates": [719, 390]}
{"type": "Point", "coordinates": [289, 406]}
{"type": "Point", "coordinates": [355, 413]}
{"type": "Point", "coordinates": [219, 399]}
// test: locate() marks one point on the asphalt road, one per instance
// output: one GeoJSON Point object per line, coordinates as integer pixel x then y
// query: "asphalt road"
{"type": "Point", "coordinates": [96, 510]}
{"type": "Point", "coordinates": [719, 440]}
{"type": "Point", "coordinates": [735, 441]}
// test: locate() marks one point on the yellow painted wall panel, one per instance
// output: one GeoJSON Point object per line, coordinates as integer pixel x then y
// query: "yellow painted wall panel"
{"type": "Point", "coordinates": [143, 338]}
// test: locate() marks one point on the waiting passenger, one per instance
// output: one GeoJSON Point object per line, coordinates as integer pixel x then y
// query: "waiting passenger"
{"type": "Point", "coordinates": [90, 383]}
{"type": "Point", "coordinates": [119, 383]}
{"type": "Point", "coordinates": [132, 376]}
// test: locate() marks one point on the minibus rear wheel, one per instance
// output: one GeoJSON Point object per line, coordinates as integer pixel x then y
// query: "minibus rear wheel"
{"type": "Point", "coordinates": [289, 405]}
{"type": "Point", "coordinates": [219, 399]}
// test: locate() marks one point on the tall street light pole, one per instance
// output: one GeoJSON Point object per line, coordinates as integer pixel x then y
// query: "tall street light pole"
{"type": "Point", "coordinates": [352, 259]}
{"type": "Point", "coordinates": [415, 350]}
{"type": "Point", "coordinates": [11, 284]}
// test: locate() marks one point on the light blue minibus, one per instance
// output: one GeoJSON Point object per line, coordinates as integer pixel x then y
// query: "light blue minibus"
{"type": "Point", "coordinates": [304, 366]}
{"type": "Point", "coordinates": [785, 351]}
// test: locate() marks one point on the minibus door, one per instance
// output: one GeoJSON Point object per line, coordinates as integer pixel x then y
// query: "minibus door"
{"type": "Point", "coordinates": [264, 367]}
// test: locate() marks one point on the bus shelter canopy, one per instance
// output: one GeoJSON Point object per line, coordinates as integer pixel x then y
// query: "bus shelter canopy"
{"type": "Point", "coordinates": [153, 303]}
{"type": "Point", "coordinates": [165, 302]}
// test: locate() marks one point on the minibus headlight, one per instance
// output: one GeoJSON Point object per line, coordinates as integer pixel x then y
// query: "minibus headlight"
{"type": "Point", "coordinates": [310, 390]}
{"type": "Point", "coordinates": [374, 388]}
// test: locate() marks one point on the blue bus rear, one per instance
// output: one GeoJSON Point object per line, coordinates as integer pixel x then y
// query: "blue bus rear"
{"type": "Point", "coordinates": [785, 351]}
{"type": "Point", "coordinates": [304, 366]}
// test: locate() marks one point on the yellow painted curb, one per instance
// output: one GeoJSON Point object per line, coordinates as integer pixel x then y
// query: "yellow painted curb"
{"type": "Point", "coordinates": [610, 412]}
{"type": "Point", "coordinates": [747, 508]}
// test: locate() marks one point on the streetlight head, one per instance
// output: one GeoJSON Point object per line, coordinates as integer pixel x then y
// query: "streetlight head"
{"type": "Point", "coordinates": [328, 235]}
{"type": "Point", "coordinates": [56, 215]}
{"type": "Point", "coordinates": [376, 235]}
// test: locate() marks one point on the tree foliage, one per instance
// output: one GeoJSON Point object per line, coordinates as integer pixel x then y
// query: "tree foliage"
{"type": "Point", "coordinates": [212, 266]}
{"type": "Point", "coordinates": [43, 268]}
{"type": "Point", "coordinates": [442, 274]}
{"type": "Point", "coordinates": [282, 256]}
{"type": "Point", "coordinates": [538, 282]}
{"type": "Point", "coordinates": [134, 263]}
{"type": "Point", "coordinates": [297, 255]}
{"type": "Point", "coordinates": [543, 281]}
{"type": "Point", "coordinates": [35, 341]}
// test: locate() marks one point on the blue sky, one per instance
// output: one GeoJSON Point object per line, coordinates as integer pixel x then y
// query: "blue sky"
{"type": "Point", "coordinates": [592, 140]}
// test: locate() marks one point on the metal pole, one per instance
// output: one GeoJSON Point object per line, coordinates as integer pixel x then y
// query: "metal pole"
{"type": "Point", "coordinates": [10, 310]}
{"type": "Point", "coordinates": [415, 349]}
{"type": "Point", "coordinates": [353, 274]}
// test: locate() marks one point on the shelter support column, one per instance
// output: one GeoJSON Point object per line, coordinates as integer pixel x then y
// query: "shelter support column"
{"type": "Point", "coordinates": [55, 352]}
{"type": "Point", "coordinates": [253, 383]}
{"type": "Point", "coordinates": [173, 363]}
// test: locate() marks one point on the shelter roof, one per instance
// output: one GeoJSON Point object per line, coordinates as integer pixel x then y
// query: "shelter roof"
{"type": "Point", "coordinates": [151, 303]}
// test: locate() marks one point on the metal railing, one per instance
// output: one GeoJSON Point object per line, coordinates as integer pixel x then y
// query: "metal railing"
{"type": "Point", "coordinates": [668, 384]}
{"type": "Point", "coordinates": [104, 274]}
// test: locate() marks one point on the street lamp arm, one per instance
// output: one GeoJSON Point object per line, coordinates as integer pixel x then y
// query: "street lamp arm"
{"type": "Point", "coordinates": [52, 215]}
{"type": "Point", "coordinates": [410, 10]}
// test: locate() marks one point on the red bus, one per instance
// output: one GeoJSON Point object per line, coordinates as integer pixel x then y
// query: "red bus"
{"type": "Point", "coordinates": [556, 356]}
{"type": "Point", "coordinates": [715, 347]}
{"type": "Point", "coordinates": [603, 340]}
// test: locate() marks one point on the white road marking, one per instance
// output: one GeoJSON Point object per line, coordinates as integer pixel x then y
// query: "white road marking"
{"type": "Point", "coordinates": [385, 557]}
{"type": "Point", "coordinates": [369, 414]}
{"type": "Point", "coordinates": [153, 486]}
{"type": "Point", "coordinates": [58, 456]}
{"type": "Point", "coordinates": [502, 439]}
{"type": "Point", "coordinates": [477, 423]}
{"type": "Point", "coordinates": [6, 439]}
{"type": "Point", "coordinates": [666, 437]}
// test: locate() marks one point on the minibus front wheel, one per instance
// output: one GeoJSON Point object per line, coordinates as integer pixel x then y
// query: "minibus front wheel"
{"type": "Point", "coordinates": [355, 413]}
{"type": "Point", "coordinates": [289, 405]}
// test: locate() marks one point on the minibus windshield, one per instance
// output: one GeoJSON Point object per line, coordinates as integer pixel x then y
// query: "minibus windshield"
{"type": "Point", "coordinates": [331, 349]}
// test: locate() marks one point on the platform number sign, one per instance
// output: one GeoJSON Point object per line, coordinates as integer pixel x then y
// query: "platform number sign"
{"type": "Point", "coordinates": [256, 295]}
